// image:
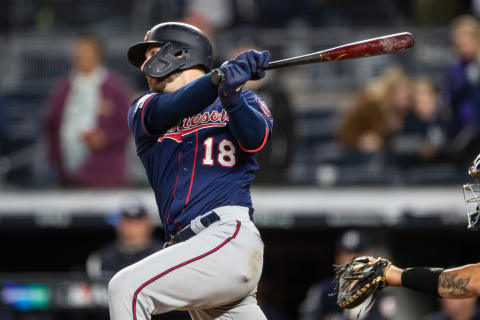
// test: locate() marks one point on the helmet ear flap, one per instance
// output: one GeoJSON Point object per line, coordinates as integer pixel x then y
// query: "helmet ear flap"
{"type": "Point", "coordinates": [165, 61]}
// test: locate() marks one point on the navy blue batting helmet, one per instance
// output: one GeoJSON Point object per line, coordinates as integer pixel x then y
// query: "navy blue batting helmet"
{"type": "Point", "coordinates": [183, 46]}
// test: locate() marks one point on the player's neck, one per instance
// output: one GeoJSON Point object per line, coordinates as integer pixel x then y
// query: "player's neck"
{"type": "Point", "coordinates": [185, 78]}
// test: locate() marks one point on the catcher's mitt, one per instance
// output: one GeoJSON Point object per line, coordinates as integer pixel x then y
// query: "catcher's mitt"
{"type": "Point", "coordinates": [359, 279]}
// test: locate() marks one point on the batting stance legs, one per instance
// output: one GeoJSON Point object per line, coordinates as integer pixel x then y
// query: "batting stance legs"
{"type": "Point", "coordinates": [214, 275]}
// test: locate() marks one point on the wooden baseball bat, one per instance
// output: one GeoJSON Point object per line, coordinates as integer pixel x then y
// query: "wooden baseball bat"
{"type": "Point", "coordinates": [361, 49]}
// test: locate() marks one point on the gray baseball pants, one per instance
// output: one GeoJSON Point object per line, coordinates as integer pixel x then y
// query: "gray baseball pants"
{"type": "Point", "coordinates": [213, 275]}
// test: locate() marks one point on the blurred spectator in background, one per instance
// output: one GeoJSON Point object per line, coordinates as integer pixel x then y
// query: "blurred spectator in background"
{"type": "Point", "coordinates": [207, 24]}
{"type": "Point", "coordinates": [463, 89]}
{"type": "Point", "coordinates": [134, 242]}
{"type": "Point", "coordinates": [320, 304]}
{"type": "Point", "coordinates": [3, 125]}
{"type": "Point", "coordinates": [363, 127]}
{"type": "Point", "coordinates": [209, 14]}
{"type": "Point", "coordinates": [376, 113]}
{"type": "Point", "coordinates": [456, 309]}
{"type": "Point", "coordinates": [396, 98]}
{"type": "Point", "coordinates": [277, 155]}
{"type": "Point", "coordinates": [250, 13]}
{"type": "Point", "coordinates": [86, 123]}
{"type": "Point", "coordinates": [422, 135]}
{"type": "Point", "coordinates": [3, 141]}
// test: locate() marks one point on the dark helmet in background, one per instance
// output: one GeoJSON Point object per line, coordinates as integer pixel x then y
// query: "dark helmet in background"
{"type": "Point", "coordinates": [183, 46]}
{"type": "Point", "coordinates": [471, 193]}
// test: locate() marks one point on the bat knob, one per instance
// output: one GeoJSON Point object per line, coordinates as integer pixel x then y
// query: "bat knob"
{"type": "Point", "coordinates": [217, 76]}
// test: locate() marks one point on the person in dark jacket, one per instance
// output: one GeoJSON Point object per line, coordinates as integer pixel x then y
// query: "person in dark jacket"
{"type": "Point", "coordinates": [134, 242]}
{"type": "Point", "coordinates": [463, 88]}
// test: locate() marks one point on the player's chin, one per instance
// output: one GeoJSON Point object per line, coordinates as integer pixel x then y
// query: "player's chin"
{"type": "Point", "coordinates": [159, 84]}
{"type": "Point", "coordinates": [156, 84]}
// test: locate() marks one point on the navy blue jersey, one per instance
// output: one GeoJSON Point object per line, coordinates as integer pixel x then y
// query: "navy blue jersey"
{"type": "Point", "coordinates": [197, 165]}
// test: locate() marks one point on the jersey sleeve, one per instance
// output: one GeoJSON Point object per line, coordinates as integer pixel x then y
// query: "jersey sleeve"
{"type": "Point", "coordinates": [258, 104]}
{"type": "Point", "coordinates": [143, 138]}
{"type": "Point", "coordinates": [151, 115]}
{"type": "Point", "coordinates": [164, 110]}
{"type": "Point", "coordinates": [251, 128]}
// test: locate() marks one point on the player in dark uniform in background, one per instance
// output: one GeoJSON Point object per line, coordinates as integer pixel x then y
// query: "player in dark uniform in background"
{"type": "Point", "coordinates": [321, 304]}
{"type": "Point", "coordinates": [197, 142]}
{"type": "Point", "coordinates": [134, 242]}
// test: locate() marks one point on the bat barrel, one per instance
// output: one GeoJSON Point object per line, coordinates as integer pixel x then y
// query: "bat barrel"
{"type": "Point", "coordinates": [366, 48]}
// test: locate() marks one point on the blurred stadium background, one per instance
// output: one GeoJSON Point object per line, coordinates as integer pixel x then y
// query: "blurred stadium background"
{"type": "Point", "coordinates": [401, 187]}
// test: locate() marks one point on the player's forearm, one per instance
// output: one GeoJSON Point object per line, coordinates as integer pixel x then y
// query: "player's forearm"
{"type": "Point", "coordinates": [164, 111]}
{"type": "Point", "coordinates": [248, 126]}
{"type": "Point", "coordinates": [393, 276]}
{"type": "Point", "coordinates": [457, 283]}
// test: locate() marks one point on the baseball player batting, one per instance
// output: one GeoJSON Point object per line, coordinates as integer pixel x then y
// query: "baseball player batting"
{"type": "Point", "coordinates": [197, 142]}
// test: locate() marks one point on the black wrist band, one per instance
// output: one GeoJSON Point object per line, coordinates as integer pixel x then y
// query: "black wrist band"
{"type": "Point", "coordinates": [422, 279]}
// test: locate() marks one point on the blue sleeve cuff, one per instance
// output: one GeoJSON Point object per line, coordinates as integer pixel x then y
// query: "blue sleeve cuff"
{"type": "Point", "coordinates": [248, 126]}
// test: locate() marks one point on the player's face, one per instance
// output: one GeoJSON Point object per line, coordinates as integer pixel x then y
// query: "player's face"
{"type": "Point", "coordinates": [157, 84]}
{"type": "Point", "coordinates": [133, 230]}
{"type": "Point", "coordinates": [150, 53]}
{"type": "Point", "coordinates": [152, 82]}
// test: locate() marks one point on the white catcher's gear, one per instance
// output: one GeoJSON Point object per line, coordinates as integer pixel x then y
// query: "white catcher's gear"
{"type": "Point", "coordinates": [471, 192]}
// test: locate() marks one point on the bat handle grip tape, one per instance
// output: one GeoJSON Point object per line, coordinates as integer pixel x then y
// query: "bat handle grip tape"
{"type": "Point", "coordinates": [217, 76]}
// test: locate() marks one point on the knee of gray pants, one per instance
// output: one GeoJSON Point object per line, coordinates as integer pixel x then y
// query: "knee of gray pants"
{"type": "Point", "coordinates": [119, 285]}
{"type": "Point", "coordinates": [121, 292]}
{"type": "Point", "coordinates": [123, 289]}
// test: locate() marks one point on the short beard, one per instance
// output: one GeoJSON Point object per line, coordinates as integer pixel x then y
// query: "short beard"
{"type": "Point", "coordinates": [159, 84]}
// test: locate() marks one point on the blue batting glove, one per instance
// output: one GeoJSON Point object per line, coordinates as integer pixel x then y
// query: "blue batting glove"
{"type": "Point", "coordinates": [246, 66]}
